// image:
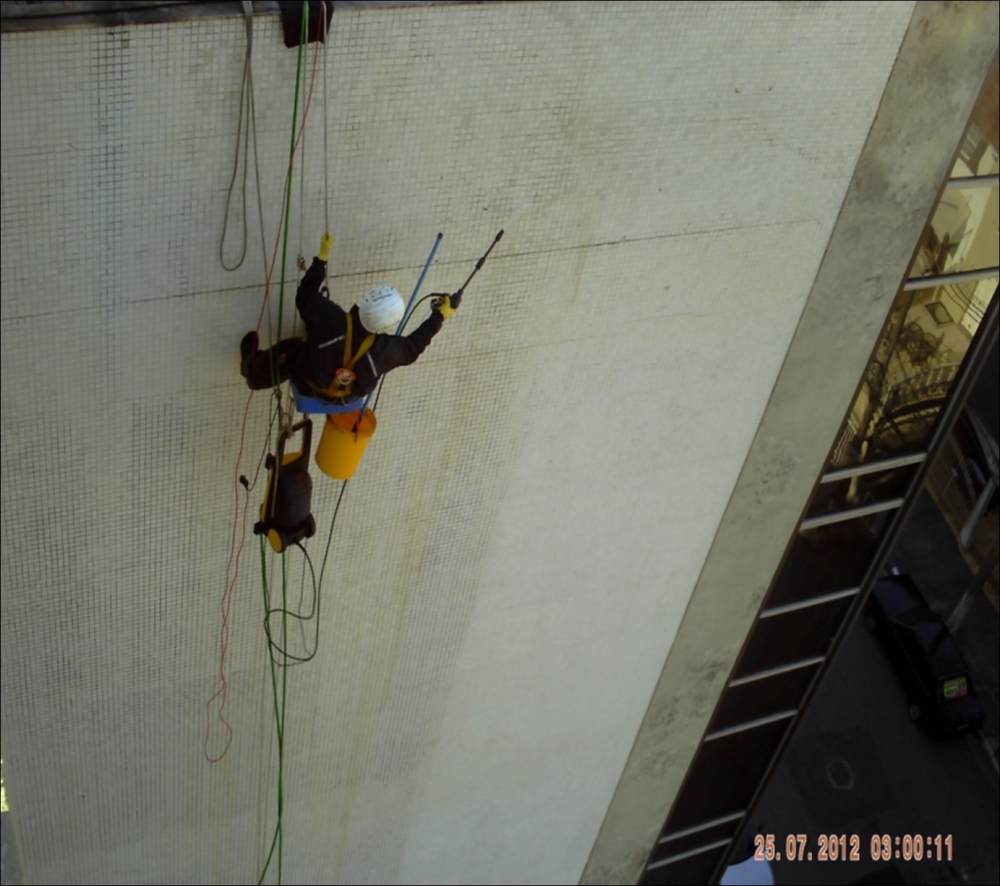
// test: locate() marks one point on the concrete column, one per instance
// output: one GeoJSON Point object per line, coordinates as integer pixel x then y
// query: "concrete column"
{"type": "Point", "coordinates": [939, 72]}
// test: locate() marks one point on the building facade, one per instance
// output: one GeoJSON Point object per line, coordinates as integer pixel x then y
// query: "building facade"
{"type": "Point", "coordinates": [732, 300]}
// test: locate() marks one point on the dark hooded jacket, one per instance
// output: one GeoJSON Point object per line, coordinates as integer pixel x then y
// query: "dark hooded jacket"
{"type": "Point", "coordinates": [326, 338]}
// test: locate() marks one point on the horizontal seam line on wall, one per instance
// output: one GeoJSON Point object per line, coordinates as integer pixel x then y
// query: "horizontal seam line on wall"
{"type": "Point", "coordinates": [497, 259]}
{"type": "Point", "coordinates": [602, 243]}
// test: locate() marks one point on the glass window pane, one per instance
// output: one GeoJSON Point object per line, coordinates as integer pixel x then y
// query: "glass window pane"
{"type": "Point", "coordinates": [749, 701]}
{"type": "Point", "coordinates": [863, 490]}
{"type": "Point", "coordinates": [696, 869]}
{"type": "Point", "coordinates": [829, 558]}
{"type": "Point", "coordinates": [977, 155]}
{"type": "Point", "coordinates": [962, 235]}
{"type": "Point", "coordinates": [959, 475]}
{"type": "Point", "coordinates": [724, 775]}
{"type": "Point", "coordinates": [928, 331]}
{"type": "Point", "coordinates": [925, 339]}
{"type": "Point", "coordinates": [793, 636]}
{"type": "Point", "coordinates": [680, 845]}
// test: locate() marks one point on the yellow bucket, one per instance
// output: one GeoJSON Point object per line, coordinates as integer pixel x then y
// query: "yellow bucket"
{"type": "Point", "coordinates": [342, 444]}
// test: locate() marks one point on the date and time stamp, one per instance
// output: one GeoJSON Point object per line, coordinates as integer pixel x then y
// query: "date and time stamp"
{"type": "Point", "coordinates": [850, 847]}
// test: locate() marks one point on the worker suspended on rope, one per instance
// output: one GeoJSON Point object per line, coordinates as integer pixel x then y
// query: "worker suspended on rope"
{"type": "Point", "coordinates": [344, 353]}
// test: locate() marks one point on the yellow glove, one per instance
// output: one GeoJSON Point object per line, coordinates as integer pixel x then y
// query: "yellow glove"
{"type": "Point", "coordinates": [325, 245]}
{"type": "Point", "coordinates": [444, 306]}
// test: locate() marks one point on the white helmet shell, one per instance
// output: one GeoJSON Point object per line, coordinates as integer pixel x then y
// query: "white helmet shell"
{"type": "Point", "coordinates": [382, 309]}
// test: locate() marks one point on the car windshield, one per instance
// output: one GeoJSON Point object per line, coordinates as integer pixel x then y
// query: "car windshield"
{"type": "Point", "coordinates": [896, 597]}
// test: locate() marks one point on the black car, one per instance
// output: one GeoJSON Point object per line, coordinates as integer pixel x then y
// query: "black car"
{"type": "Point", "coordinates": [933, 671]}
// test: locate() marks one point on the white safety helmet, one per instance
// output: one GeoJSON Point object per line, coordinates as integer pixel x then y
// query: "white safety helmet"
{"type": "Point", "coordinates": [381, 309]}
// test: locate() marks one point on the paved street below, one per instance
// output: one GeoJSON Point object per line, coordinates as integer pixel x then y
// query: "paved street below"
{"type": "Point", "coordinates": [859, 765]}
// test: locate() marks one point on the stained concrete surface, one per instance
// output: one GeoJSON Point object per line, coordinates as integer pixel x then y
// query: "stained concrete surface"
{"type": "Point", "coordinates": [506, 574]}
{"type": "Point", "coordinates": [941, 65]}
{"type": "Point", "coordinates": [487, 674]}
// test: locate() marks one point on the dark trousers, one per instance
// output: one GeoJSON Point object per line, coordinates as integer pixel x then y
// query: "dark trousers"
{"type": "Point", "coordinates": [260, 367]}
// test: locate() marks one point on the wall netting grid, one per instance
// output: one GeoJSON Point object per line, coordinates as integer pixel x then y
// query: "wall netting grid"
{"type": "Point", "coordinates": [642, 164]}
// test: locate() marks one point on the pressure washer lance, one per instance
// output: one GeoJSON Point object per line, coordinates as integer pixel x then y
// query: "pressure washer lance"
{"type": "Point", "coordinates": [475, 270]}
{"type": "Point", "coordinates": [456, 300]}
{"type": "Point", "coordinates": [456, 297]}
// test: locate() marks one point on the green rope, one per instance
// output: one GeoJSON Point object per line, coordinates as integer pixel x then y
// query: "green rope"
{"type": "Point", "coordinates": [284, 695]}
{"type": "Point", "coordinates": [288, 190]}
{"type": "Point", "coordinates": [277, 715]}
{"type": "Point", "coordinates": [277, 841]}
{"type": "Point", "coordinates": [279, 711]}
{"type": "Point", "coordinates": [291, 159]}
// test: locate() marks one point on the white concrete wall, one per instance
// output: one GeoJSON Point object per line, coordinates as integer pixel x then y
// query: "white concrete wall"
{"type": "Point", "coordinates": [517, 550]}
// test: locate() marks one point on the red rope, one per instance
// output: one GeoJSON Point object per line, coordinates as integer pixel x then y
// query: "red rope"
{"type": "Point", "coordinates": [234, 552]}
